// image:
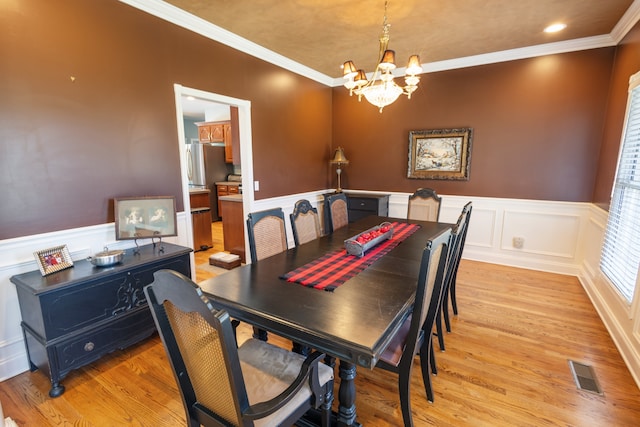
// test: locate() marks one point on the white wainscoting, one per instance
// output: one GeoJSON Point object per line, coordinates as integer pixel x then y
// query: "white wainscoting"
{"type": "Point", "coordinates": [551, 230]}
{"type": "Point", "coordinates": [559, 237]}
{"type": "Point", "coordinates": [16, 257]}
{"type": "Point", "coordinates": [621, 319]}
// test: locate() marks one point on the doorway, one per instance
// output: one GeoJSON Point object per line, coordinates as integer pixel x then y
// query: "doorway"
{"type": "Point", "coordinates": [214, 101]}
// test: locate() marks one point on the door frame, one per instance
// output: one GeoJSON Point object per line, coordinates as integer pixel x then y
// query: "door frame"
{"type": "Point", "coordinates": [246, 153]}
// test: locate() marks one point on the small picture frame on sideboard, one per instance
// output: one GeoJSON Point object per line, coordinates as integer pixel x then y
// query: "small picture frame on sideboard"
{"type": "Point", "coordinates": [53, 259]}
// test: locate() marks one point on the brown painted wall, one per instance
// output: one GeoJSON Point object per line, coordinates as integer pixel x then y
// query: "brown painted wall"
{"type": "Point", "coordinates": [537, 128]}
{"type": "Point", "coordinates": [87, 112]}
{"type": "Point", "coordinates": [627, 63]}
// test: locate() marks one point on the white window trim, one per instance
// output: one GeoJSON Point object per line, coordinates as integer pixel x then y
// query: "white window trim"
{"type": "Point", "coordinates": [634, 83]}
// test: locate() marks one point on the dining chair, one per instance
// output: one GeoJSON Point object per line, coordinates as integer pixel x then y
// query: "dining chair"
{"type": "Point", "coordinates": [256, 384]}
{"type": "Point", "coordinates": [452, 287]}
{"type": "Point", "coordinates": [411, 337]}
{"type": "Point", "coordinates": [304, 222]}
{"type": "Point", "coordinates": [424, 205]}
{"type": "Point", "coordinates": [453, 261]}
{"type": "Point", "coordinates": [336, 212]}
{"type": "Point", "coordinates": [267, 237]}
{"type": "Point", "coordinates": [267, 233]}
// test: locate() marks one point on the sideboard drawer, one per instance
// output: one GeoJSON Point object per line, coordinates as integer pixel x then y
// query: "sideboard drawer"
{"type": "Point", "coordinates": [93, 344]}
{"type": "Point", "coordinates": [363, 205]}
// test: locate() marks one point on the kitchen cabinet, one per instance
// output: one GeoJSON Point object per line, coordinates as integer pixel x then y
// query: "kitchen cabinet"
{"type": "Point", "coordinates": [224, 131]}
{"type": "Point", "coordinates": [233, 225]}
{"type": "Point", "coordinates": [211, 131]}
{"type": "Point", "coordinates": [226, 189]}
{"type": "Point", "coordinates": [75, 316]}
{"type": "Point", "coordinates": [221, 132]}
{"type": "Point", "coordinates": [362, 205]}
{"type": "Point", "coordinates": [234, 136]}
{"type": "Point", "coordinates": [228, 143]}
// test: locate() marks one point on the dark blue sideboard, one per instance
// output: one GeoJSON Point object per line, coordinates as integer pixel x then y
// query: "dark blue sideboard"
{"type": "Point", "coordinates": [75, 316]}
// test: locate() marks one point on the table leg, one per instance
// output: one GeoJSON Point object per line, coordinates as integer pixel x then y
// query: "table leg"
{"type": "Point", "coordinates": [347, 394]}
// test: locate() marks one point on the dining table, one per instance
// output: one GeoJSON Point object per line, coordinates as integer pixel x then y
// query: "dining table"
{"type": "Point", "coordinates": [353, 321]}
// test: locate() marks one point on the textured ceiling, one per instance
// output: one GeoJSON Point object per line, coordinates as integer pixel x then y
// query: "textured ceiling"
{"type": "Point", "coordinates": [322, 34]}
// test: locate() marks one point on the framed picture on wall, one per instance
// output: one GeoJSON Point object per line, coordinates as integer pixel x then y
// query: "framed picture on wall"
{"type": "Point", "coordinates": [440, 154]}
{"type": "Point", "coordinates": [145, 217]}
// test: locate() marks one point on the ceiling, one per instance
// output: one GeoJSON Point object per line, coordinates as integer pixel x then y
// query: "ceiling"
{"type": "Point", "coordinates": [322, 34]}
{"type": "Point", "coordinates": [314, 37]}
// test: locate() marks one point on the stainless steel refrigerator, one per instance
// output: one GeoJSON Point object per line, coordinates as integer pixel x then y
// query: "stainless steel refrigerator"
{"type": "Point", "coordinates": [206, 167]}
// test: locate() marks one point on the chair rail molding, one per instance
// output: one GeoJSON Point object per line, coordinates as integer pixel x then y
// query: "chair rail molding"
{"type": "Point", "coordinates": [16, 257]}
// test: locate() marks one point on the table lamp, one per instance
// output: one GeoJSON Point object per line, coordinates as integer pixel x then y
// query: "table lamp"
{"type": "Point", "coordinates": [339, 159]}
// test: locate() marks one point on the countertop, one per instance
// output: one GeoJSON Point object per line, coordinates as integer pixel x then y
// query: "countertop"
{"type": "Point", "coordinates": [196, 190]}
{"type": "Point", "coordinates": [231, 198]}
{"type": "Point", "coordinates": [237, 183]}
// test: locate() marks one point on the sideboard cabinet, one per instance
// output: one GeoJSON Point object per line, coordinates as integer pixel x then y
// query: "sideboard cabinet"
{"type": "Point", "coordinates": [361, 205]}
{"type": "Point", "coordinates": [75, 316]}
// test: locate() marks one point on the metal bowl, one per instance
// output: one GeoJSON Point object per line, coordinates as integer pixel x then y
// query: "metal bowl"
{"type": "Point", "coordinates": [107, 258]}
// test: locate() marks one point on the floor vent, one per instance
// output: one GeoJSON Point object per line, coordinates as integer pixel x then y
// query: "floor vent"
{"type": "Point", "coordinates": [585, 378]}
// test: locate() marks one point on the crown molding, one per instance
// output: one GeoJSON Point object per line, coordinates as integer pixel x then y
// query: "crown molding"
{"type": "Point", "coordinates": [628, 20]}
{"type": "Point", "coordinates": [181, 18]}
{"type": "Point", "coordinates": [170, 13]}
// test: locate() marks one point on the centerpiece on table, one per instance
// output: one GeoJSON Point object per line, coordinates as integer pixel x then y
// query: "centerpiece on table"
{"type": "Point", "coordinates": [360, 243]}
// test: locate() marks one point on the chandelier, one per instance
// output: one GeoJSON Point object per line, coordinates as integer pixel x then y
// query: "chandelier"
{"type": "Point", "coordinates": [382, 90]}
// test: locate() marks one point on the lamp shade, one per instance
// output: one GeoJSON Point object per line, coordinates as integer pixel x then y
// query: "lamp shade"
{"type": "Point", "coordinates": [388, 61]}
{"type": "Point", "coordinates": [349, 69]}
{"type": "Point", "coordinates": [339, 158]}
{"type": "Point", "coordinates": [414, 66]}
{"type": "Point", "coordinates": [360, 79]}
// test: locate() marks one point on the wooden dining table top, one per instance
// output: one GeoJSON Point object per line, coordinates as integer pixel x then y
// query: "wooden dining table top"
{"type": "Point", "coordinates": [353, 323]}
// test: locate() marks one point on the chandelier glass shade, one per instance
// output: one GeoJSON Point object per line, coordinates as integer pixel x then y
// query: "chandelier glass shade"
{"type": "Point", "coordinates": [382, 90]}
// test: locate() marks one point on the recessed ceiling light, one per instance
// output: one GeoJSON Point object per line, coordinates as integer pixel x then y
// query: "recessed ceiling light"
{"type": "Point", "coordinates": [554, 28]}
{"type": "Point", "coordinates": [191, 98]}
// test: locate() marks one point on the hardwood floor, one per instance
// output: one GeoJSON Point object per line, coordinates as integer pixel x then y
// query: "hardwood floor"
{"type": "Point", "coordinates": [506, 364]}
{"type": "Point", "coordinates": [202, 257]}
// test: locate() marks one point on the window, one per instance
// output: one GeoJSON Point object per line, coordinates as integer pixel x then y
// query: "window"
{"type": "Point", "coordinates": [621, 249]}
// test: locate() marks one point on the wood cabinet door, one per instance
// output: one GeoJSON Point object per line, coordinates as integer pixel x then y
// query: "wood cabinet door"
{"type": "Point", "coordinates": [204, 133]}
{"type": "Point", "coordinates": [228, 140]}
{"type": "Point", "coordinates": [217, 133]}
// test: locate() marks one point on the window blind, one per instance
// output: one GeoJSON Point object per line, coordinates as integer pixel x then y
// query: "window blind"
{"type": "Point", "coordinates": [621, 249]}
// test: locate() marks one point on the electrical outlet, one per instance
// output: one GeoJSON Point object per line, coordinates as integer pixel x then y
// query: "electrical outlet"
{"type": "Point", "coordinates": [256, 185]}
{"type": "Point", "coordinates": [518, 242]}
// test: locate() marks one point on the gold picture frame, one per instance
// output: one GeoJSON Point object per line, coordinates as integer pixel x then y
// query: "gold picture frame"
{"type": "Point", "coordinates": [440, 154]}
{"type": "Point", "coordinates": [53, 259]}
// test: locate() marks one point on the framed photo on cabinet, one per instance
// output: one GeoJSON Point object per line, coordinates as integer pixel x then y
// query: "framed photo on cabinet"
{"type": "Point", "coordinates": [145, 217]}
{"type": "Point", "coordinates": [53, 259]}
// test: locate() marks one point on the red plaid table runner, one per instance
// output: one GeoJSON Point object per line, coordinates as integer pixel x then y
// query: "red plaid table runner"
{"type": "Point", "coordinates": [333, 269]}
